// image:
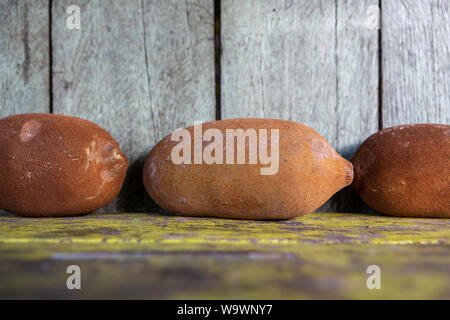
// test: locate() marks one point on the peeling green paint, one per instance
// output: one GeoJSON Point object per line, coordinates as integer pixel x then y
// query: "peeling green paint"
{"type": "Point", "coordinates": [321, 255]}
{"type": "Point", "coordinates": [324, 228]}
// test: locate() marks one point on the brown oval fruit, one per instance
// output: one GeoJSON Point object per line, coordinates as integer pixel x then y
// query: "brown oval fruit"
{"type": "Point", "coordinates": [53, 165]}
{"type": "Point", "coordinates": [405, 171]}
{"type": "Point", "coordinates": [308, 172]}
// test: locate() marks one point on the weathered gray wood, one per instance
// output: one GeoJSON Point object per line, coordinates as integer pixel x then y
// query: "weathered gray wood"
{"type": "Point", "coordinates": [278, 61]}
{"type": "Point", "coordinates": [416, 61]}
{"type": "Point", "coordinates": [24, 56]}
{"type": "Point", "coordinates": [313, 62]}
{"type": "Point", "coordinates": [140, 69]}
{"type": "Point", "coordinates": [180, 54]}
{"type": "Point", "coordinates": [357, 71]}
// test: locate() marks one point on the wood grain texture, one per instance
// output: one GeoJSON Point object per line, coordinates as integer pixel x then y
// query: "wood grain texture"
{"type": "Point", "coordinates": [24, 57]}
{"type": "Point", "coordinates": [167, 257]}
{"type": "Point", "coordinates": [357, 85]}
{"type": "Point", "coordinates": [139, 69]}
{"type": "Point", "coordinates": [313, 62]}
{"type": "Point", "coordinates": [99, 74]}
{"type": "Point", "coordinates": [416, 64]}
{"type": "Point", "coordinates": [180, 53]}
{"type": "Point", "coordinates": [278, 61]}
{"type": "Point", "coordinates": [166, 229]}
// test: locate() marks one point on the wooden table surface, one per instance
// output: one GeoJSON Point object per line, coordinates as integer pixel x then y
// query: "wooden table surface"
{"type": "Point", "coordinates": [155, 256]}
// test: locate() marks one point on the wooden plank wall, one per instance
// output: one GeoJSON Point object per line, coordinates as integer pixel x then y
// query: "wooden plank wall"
{"type": "Point", "coordinates": [313, 62]}
{"type": "Point", "coordinates": [416, 61]}
{"type": "Point", "coordinates": [140, 69]}
{"type": "Point", "coordinates": [24, 57]}
{"type": "Point", "coordinates": [143, 68]}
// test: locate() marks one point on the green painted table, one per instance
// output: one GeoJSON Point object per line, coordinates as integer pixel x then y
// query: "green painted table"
{"type": "Point", "coordinates": [142, 255]}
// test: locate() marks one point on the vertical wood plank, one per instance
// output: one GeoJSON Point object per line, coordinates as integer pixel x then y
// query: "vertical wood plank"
{"type": "Point", "coordinates": [416, 61]}
{"type": "Point", "coordinates": [140, 69]}
{"type": "Point", "coordinates": [278, 61]}
{"type": "Point", "coordinates": [99, 74]}
{"type": "Point", "coordinates": [24, 56]}
{"type": "Point", "coordinates": [179, 53]}
{"type": "Point", "coordinates": [313, 62]}
{"type": "Point", "coordinates": [179, 41]}
{"type": "Point", "coordinates": [357, 74]}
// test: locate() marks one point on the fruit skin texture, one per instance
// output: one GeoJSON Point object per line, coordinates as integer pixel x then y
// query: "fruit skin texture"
{"type": "Point", "coordinates": [405, 171]}
{"type": "Point", "coordinates": [310, 172]}
{"type": "Point", "coordinates": [54, 165]}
